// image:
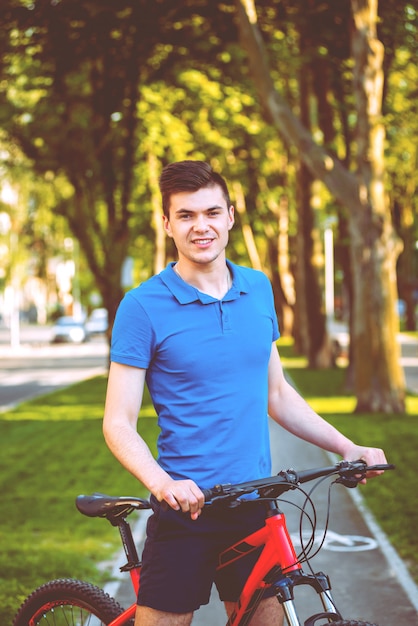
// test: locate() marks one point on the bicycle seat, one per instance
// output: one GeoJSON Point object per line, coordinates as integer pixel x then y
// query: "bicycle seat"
{"type": "Point", "coordinates": [110, 507]}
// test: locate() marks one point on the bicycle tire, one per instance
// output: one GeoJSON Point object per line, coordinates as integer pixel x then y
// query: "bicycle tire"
{"type": "Point", "coordinates": [68, 602]}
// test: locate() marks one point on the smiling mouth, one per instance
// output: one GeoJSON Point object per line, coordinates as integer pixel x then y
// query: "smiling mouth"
{"type": "Point", "coordinates": [202, 242]}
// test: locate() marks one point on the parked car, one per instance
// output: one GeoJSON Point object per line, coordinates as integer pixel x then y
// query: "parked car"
{"type": "Point", "coordinates": [69, 330]}
{"type": "Point", "coordinates": [97, 322]}
{"type": "Point", "coordinates": [340, 338]}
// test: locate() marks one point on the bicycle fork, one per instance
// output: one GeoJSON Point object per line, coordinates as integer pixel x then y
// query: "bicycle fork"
{"type": "Point", "coordinates": [319, 582]}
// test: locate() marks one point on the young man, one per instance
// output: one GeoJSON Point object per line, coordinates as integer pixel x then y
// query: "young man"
{"type": "Point", "coordinates": [202, 335]}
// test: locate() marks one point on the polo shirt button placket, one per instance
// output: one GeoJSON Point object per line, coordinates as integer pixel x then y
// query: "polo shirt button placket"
{"type": "Point", "coordinates": [225, 317]}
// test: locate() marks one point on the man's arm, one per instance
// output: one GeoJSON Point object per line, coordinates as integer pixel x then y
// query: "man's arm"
{"type": "Point", "coordinates": [291, 411]}
{"type": "Point", "coordinates": [123, 401]}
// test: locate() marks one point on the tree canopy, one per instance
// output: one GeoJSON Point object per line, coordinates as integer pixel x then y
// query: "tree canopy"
{"type": "Point", "coordinates": [306, 108]}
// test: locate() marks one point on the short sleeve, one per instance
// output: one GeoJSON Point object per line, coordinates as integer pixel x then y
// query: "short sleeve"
{"type": "Point", "coordinates": [132, 336]}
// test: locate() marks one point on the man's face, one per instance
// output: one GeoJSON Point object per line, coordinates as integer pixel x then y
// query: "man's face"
{"type": "Point", "coordinates": [199, 223]}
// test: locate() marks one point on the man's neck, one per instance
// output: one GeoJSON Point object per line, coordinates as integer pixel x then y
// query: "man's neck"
{"type": "Point", "coordinates": [215, 282]}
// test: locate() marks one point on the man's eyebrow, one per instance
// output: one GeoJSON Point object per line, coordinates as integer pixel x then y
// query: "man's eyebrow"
{"type": "Point", "coordinates": [211, 208]}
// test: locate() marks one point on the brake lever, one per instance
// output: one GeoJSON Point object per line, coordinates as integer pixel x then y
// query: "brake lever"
{"type": "Point", "coordinates": [350, 481]}
{"type": "Point", "coordinates": [226, 498]}
{"type": "Point", "coordinates": [355, 475]}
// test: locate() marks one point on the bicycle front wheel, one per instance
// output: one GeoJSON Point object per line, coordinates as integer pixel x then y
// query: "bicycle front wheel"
{"type": "Point", "coordinates": [68, 602]}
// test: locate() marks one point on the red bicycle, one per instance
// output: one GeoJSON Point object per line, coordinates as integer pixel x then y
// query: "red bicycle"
{"type": "Point", "coordinates": [68, 602]}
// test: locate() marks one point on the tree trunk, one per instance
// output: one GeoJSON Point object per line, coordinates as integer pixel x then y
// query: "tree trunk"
{"type": "Point", "coordinates": [407, 225]}
{"type": "Point", "coordinates": [247, 231]}
{"type": "Point", "coordinates": [301, 330]}
{"type": "Point", "coordinates": [318, 346]}
{"type": "Point", "coordinates": [379, 381]}
{"type": "Point", "coordinates": [105, 267]}
{"type": "Point", "coordinates": [157, 220]}
{"type": "Point", "coordinates": [278, 252]}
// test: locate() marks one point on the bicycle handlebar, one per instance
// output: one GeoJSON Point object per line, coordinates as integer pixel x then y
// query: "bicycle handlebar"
{"type": "Point", "coordinates": [116, 508]}
{"type": "Point", "coordinates": [350, 474]}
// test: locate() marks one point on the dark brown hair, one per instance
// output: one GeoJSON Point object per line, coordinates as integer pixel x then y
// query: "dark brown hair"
{"type": "Point", "coordinates": [189, 176]}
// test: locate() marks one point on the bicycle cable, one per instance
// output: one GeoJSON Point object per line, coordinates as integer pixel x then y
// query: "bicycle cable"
{"type": "Point", "coordinates": [327, 518]}
{"type": "Point", "coordinates": [326, 527]}
{"type": "Point", "coordinates": [310, 517]}
{"type": "Point", "coordinates": [307, 546]}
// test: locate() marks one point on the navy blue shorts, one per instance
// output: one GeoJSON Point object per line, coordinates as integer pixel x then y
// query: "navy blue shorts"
{"type": "Point", "coordinates": [181, 555]}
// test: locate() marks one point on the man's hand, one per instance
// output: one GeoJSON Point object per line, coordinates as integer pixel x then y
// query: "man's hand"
{"type": "Point", "coordinates": [182, 495]}
{"type": "Point", "coordinates": [371, 456]}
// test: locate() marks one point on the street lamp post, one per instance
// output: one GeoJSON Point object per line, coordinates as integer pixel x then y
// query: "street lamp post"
{"type": "Point", "coordinates": [15, 311]}
{"type": "Point", "coordinates": [329, 273]}
{"type": "Point", "coordinates": [9, 196]}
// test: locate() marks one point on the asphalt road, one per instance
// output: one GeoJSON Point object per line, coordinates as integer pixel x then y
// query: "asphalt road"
{"type": "Point", "coordinates": [409, 361]}
{"type": "Point", "coordinates": [36, 367]}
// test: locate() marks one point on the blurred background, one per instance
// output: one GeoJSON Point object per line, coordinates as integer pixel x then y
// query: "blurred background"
{"type": "Point", "coordinates": [307, 107]}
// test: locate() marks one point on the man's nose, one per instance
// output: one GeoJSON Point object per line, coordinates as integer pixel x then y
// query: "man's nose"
{"type": "Point", "coordinates": [200, 223]}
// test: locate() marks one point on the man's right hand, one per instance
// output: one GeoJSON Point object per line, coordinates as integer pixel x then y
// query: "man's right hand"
{"type": "Point", "coordinates": [182, 495]}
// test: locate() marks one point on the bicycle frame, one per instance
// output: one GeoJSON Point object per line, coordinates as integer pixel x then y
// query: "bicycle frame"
{"type": "Point", "coordinates": [276, 566]}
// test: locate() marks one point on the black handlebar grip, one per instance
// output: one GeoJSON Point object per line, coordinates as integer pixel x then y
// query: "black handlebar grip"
{"type": "Point", "coordinates": [208, 494]}
{"type": "Point", "coordinates": [383, 466]}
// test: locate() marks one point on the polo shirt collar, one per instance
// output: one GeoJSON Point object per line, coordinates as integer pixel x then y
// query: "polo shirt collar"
{"type": "Point", "coordinates": [185, 294]}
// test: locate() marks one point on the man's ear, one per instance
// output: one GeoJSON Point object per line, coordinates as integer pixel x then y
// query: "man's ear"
{"type": "Point", "coordinates": [167, 226]}
{"type": "Point", "coordinates": [231, 216]}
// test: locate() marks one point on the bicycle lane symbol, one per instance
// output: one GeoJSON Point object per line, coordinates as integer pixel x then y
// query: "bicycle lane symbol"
{"type": "Point", "coordinates": [335, 542]}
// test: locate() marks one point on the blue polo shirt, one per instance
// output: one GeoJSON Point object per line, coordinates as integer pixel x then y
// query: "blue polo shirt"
{"type": "Point", "coordinates": [207, 363]}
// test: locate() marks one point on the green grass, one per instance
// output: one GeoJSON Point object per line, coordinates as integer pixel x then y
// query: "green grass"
{"type": "Point", "coordinates": [52, 449]}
